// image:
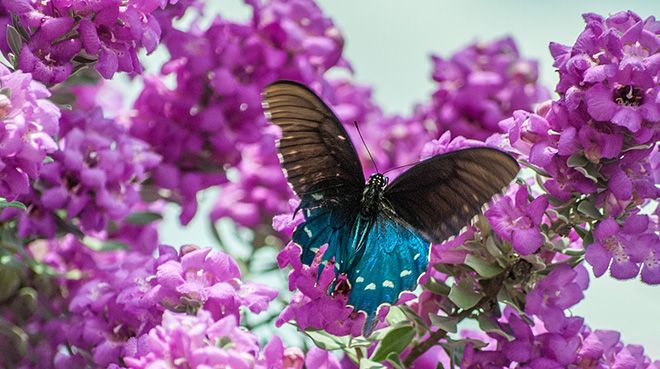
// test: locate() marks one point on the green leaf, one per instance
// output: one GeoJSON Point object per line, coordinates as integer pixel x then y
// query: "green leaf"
{"type": "Point", "coordinates": [437, 287]}
{"type": "Point", "coordinates": [395, 341]}
{"type": "Point", "coordinates": [143, 217]}
{"type": "Point", "coordinates": [536, 169]}
{"type": "Point", "coordinates": [395, 316]}
{"type": "Point", "coordinates": [104, 245]}
{"type": "Point", "coordinates": [12, 204]}
{"type": "Point", "coordinates": [463, 294]}
{"type": "Point", "coordinates": [482, 267]}
{"type": "Point", "coordinates": [492, 248]}
{"type": "Point", "coordinates": [395, 361]}
{"type": "Point", "coordinates": [488, 325]}
{"type": "Point", "coordinates": [369, 364]}
{"type": "Point", "coordinates": [588, 207]}
{"type": "Point", "coordinates": [484, 224]}
{"type": "Point", "coordinates": [14, 40]}
{"type": "Point", "coordinates": [589, 172]}
{"type": "Point", "coordinates": [577, 160]}
{"type": "Point", "coordinates": [446, 323]}
{"type": "Point", "coordinates": [9, 280]}
{"type": "Point", "coordinates": [326, 340]}
{"type": "Point", "coordinates": [16, 23]}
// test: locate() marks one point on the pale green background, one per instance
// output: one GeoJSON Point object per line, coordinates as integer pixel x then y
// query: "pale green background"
{"type": "Point", "coordinates": [389, 46]}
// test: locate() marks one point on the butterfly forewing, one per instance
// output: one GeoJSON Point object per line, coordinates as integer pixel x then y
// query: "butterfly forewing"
{"type": "Point", "coordinates": [315, 151]}
{"type": "Point", "coordinates": [440, 195]}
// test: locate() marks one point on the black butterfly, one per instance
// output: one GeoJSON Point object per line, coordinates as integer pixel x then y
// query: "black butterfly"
{"type": "Point", "coordinates": [378, 234]}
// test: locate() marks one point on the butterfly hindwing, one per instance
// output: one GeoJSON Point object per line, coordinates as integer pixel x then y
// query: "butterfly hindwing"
{"type": "Point", "coordinates": [440, 195]}
{"type": "Point", "coordinates": [315, 151]}
{"type": "Point", "coordinates": [394, 257]}
{"type": "Point", "coordinates": [331, 225]}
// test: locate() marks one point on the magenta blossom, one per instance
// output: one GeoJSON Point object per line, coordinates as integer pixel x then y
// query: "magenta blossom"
{"type": "Point", "coordinates": [29, 124]}
{"type": "Point", "coordinates": [625, 248]}
{"type": "Point", "coordinates": [560, 290]}
{"type": "Point", "coordinates": [94, 176]}
{"type": "Point", "coordinates": [313, 283]}
{"type": "Point", "coordinates": [481, 85]}
{"type": "Point", "coordinates": [202, 126]}
{"type": "Point", "coordinates": [198, 340]}
{"type": "Point", "coordinates": [209, 280]}
{"type": "Point", "coordinates": [517, 219]}
{"type": "Point", "coordinates": [65, 35]}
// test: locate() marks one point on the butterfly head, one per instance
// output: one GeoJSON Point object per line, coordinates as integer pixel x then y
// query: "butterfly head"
{"type": "Point", "coordinates": [378, 181]}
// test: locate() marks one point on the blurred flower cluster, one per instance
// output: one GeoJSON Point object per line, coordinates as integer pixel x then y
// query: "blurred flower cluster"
{"type": "Point", "coordinates": [52, 40]}
{"type": "Point", "coordinates": [480, 85]}
{"type": "Point", "coordinates": [94, 176]}
{"type": "Point", "coordinates": [123, 304]}
{"type": "Point", "coordinates": [212, 120]}
{"type": "Point", "coordinates": [29, 124]}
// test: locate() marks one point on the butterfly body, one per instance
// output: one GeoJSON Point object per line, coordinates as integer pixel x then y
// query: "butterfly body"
{"type": "Point", "coordinates": [378, 233]}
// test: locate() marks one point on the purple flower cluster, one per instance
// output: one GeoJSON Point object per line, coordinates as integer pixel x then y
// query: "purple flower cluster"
{"type": "Point", "coordinates": [480, 85]}
{"type": "Point", "coordinates": [60, 37]}
{"type": "Point", "coordinates": [29, 125]}
{"type": "Point", "coordinates": [127, 300]}
{"type": "Point", "coordinates": [554, 340]}
{"type": "Point", "coordinates": [200, 341]}
{"type": "Point", "coordinates": [313, 283]}
{"type": "Point", "coordinates": [94, 176]}
{"type": "Point", "coordinates": [214, 113]}
{"type": "Point", "coordinates": [597, 143]}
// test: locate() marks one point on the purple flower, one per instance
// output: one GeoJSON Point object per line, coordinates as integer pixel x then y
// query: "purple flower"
{"type": "Point", "coordinates": [481, 85]}
{"type": "Point", "coordinates": [199, 340]}
{"type": "Point", "coordinates": [612, 69]}
{"type": "Point", "coordinates": [94, 175]}
{"type": "Point", "coordinates": [220, 73]}
{"type": "Point", "coordinates": [534, 346]}
{"type": "Point", "coordinates": [517, 220]}
{"type": "Point", "coordinates": [313, 283]}
{"type": "Point", "coordinates": [107, 34]}
{"type": "Point", "coordinates": [317, 358]}
{"type": "Point", "coordinates": [209, 280]}
{"type": "Point", "coordinates": [560, 290]}
{"type": "Point", "coordinates": [29, 123]}
{"type": "Point", "coordinates": [624, 103]}
{"type": "Point", "coordinates": [624, 249]}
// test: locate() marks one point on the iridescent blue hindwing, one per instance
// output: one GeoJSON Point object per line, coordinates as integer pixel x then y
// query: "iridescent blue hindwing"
{"type": "Point", "coordinates": [323, 225]}
{"type": "Point", "coordinates": [393, 259]}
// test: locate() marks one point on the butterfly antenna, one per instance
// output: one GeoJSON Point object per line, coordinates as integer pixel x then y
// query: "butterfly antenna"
{"type": "Point", "coordinates": [401, 166]}
{"type": "Point", "coordinates": [365, 146]}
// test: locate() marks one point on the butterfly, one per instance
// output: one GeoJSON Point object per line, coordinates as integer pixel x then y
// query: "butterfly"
{"type": "Point", "coordinates": [378, 233]}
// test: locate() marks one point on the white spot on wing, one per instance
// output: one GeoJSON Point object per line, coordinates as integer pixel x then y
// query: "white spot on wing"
{"type": "Point", "coordinates": [388, 284]}
{"type": "Point", "coordinates": [405, 272]}
{"type": "Point", "coordinates": [370, 286]}
{"type": "Point", "coordinates": [309, 233]}
{"type": "Point", "coordinates": [341, 137]}
{"type": "Point", "coordinates": [359, 280]}
{"type": "Point", "coordinates": [416, 256]}
{"type": "Point", "coordinates": [317, 196]}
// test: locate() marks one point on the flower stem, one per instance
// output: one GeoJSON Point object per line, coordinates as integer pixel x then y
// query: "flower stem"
{"type": "Point", "coordinates": [491, 288]}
